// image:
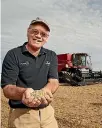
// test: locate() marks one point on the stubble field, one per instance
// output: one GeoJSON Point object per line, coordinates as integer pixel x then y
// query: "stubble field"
{"type": "Point", "coordinates": [75, 107]}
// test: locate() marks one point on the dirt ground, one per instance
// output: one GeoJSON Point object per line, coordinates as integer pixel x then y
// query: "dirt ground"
{"type": "Point", "coordinates": [75, 107]}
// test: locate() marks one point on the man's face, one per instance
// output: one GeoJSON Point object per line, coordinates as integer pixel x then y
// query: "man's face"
{"type": "Point", "coordinates": [37, 36]}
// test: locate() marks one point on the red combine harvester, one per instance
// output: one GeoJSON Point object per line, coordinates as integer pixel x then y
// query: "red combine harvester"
{"type": "Point", "coordinates": [76, 69]}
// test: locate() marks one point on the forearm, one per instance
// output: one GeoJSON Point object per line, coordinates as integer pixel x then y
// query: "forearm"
{"type": "Point", "coordinates": [52, 85]}
{"type": "Point", "coordinates": [13, 92]}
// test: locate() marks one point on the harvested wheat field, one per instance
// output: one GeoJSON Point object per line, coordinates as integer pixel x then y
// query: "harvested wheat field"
{"type": "Point", "coordinates": [75, 107]}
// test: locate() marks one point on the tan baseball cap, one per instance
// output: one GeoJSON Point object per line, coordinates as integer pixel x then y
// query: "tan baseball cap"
{"type": "Point", "coordinates": [38, 20]}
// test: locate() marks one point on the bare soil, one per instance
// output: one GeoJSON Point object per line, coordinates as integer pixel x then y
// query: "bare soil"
{"type": "Point", "coordinates": [75, 107]}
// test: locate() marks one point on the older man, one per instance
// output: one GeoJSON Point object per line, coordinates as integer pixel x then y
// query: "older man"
{"type": "Point", "coordinates": [29, 79]}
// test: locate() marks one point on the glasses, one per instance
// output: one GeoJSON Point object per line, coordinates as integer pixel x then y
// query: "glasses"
{"type": "Point", "coordinates": [36, 32]}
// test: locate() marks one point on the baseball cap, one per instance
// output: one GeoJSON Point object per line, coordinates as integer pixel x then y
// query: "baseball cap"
{"type": "Point", "coordinates": [39, 20]}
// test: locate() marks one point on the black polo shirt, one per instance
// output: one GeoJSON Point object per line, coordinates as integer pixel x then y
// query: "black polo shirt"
{"type": "Point", "coordinates": [22, 69]}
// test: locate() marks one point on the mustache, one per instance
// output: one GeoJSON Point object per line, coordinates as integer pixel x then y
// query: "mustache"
{"type": "Point", "coordinates": [37, 40]}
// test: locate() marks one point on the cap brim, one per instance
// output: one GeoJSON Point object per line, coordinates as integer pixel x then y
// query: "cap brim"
{"type": "Point", "coordinates": [41, 22]}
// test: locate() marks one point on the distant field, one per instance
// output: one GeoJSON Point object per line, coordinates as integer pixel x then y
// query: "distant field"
{"type": "Point", "coordinates": [75, 107]}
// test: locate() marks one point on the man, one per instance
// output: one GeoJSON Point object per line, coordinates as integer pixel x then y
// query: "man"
{"type": "Point", "coordinates": [29, 79]}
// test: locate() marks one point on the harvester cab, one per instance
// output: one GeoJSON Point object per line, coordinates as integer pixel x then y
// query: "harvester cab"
{"type": "Point", "coordinates": [81, 60]}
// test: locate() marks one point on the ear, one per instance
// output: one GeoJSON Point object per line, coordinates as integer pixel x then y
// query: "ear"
{"type": "Point", "coordinates": [27, 32]}
{"type": "Point", "coordinates": [46, 41]}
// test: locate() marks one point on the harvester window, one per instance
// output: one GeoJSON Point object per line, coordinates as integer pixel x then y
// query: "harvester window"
{"type": "Point", "coordinates": [79, 60]}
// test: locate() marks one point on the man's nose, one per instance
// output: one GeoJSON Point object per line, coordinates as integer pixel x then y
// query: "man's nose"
{"type": "Point", "coordinates": [38, 35]}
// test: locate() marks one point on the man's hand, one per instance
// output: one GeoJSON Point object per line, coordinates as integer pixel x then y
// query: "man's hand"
{"type": "Point", "coordinates": [48, 97]}
{"type": "Point", "coordinates": [29, 100]}
{"type": "Point", "coordinates": [33, 98]}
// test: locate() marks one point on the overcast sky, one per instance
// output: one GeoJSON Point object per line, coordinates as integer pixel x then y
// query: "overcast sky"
{"type": "Point", "coordinates": [76, 25]}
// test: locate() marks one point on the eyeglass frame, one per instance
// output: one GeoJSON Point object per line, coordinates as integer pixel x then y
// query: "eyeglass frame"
{"type": "Point", "coordinates": [36, 32]}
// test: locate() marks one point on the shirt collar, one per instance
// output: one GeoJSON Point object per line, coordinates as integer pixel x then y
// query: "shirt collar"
{"type": "Point", "coordinates": [24, 49]}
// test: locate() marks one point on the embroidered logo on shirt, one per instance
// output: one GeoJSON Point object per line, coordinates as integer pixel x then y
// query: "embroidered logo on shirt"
{"type": "Point", "coordinates": [47, 63]}
{"type": "Point", "coordinates": [25, 63]}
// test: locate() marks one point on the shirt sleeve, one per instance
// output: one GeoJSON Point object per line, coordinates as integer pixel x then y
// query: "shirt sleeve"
{"type": "Point", "coordinates": [10, 70]}
{"type": "Point", "coordinates": [53, 70]}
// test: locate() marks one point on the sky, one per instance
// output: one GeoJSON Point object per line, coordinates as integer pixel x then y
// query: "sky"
{"type": "Point", "coordinates": [76, 25]}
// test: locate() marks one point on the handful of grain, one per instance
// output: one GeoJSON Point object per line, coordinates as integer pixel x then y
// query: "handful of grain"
{"type": "Point", "coordinates": [37, 94]}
